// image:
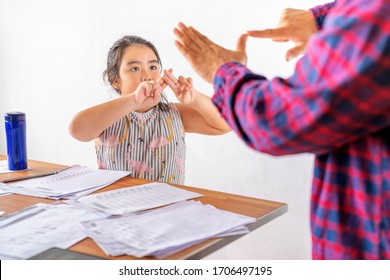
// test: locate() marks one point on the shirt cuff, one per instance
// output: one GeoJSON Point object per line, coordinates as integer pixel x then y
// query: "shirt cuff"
{"type": "Point", "coordinates": [219, 99]}
{"type": "Point", "coordinates": [226, 80]}
{"type": "Point", "coordinates": [320, 12]}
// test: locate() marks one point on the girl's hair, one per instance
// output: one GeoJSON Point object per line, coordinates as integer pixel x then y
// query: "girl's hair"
{"type": "Point", "coordinates": [114, 58]}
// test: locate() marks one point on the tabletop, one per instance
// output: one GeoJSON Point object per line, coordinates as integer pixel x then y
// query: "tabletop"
{"type": "Point", "coordinates": [263, 210]}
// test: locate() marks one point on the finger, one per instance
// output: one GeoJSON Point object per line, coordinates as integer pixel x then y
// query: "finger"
{"type": "Point", "coordinates": [182, 26]}
{"type": "Point", "coordinates": [280, 40]}
{"type": "Point", "coordinates": [280, 33]}
{"type": "Point", "coordinates": [187, 38]}
{"type": "Point", "coordinates": [294, 52]}
{"type": "Point", "coordinates": [241, 43]}
{"type": "Point", "coordinates": [198, 39]}
{"type": "Point", "coordinates": [200, 36]}
{"type": "Point", "coordinates": [156, 89]}
{"type": "Point", "coordinates": [169, 74]}
{"type": "Point", "coordinates": [170, 70]}
{"type": "Point", "coordinates": [185, 44]}
{"type": "Point", "coordinates": [182, 80]}
{"type": "Point", "coordinates": [189, 81]}
{"type": "Point", "coordinates": [158, 83]}
{"type": "Point", "coordinates": [163, 85]}
{"type": "Point", "coordinates": [170, 79]}
{"type": "Point", "coordinates": [186, 52]}
{"type": "Point", "coordinates": [183, 84]}
{"type": "Point", "coordinates": [147, 88]}
{"type": "Point", "coordinates": [170, 83]}
{"type": "Point", "coordinates": [201, 41]}
{"type": "Point", "coordinates": [161, 82]}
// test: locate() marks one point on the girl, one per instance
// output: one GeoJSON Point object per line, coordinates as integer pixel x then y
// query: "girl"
{"type": "Point", "coordinates": [140, 131]}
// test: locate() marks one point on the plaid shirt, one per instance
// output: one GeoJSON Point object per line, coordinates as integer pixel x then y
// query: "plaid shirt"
{"type": "Point", "coordinates": [337, 106]}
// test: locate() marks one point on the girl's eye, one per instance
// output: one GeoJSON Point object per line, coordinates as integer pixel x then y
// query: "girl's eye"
{"type": "Point", "coordinates": [134, 69]}
{"type": "Point", "coordinates": [154, 67]}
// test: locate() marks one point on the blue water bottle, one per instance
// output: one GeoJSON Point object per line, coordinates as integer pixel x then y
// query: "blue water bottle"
{"type": "Point", "coordinates": [15, 128]}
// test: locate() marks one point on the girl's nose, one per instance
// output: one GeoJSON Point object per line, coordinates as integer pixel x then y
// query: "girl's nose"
{"type": "Point", "coordinates": [145, 76]}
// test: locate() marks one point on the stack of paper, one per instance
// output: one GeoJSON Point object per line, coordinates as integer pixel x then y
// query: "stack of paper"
{"type": "Point", "coordinates": [134, 199]}
{"type": "Point", "coordinates": [4, 189]}
{"type": "Point", "coordinates": [40, 227]}
{"type": "Point", "coordinates": [163, 231]}
{"type": "Point", "coordinates": [123, 221]}
{"type": "Point", "coordinates": [70, 183]}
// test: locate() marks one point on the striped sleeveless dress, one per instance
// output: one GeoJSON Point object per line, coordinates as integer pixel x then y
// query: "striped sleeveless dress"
{"type": "Point", "coordinates": [151, 145]}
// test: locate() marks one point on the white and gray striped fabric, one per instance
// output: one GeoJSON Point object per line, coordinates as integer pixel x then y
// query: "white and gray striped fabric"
{"type": "Point", "coordinates": [150, 144]}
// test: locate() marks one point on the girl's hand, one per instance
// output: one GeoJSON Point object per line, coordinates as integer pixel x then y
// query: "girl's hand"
{"type": "Point", "coordinates": [181, 87]}
{"type": "Point", "coordinates": [148, 93]}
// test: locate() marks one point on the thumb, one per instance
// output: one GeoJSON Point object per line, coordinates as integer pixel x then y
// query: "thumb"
{"type": "Point", "coordinates": [157, 88]}
{"type": "Point", "coordinates": [161, 82]}
{"type": "Point", "coordinates": [241, 43]}
{"type": "Point", "coordinates": [294, 52]}
{"type": "Point", "coordinates": [145, 88]}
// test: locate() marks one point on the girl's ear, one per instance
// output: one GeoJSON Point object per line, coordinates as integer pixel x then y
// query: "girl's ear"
{"type": "Point", "coordinates": [116, 84]}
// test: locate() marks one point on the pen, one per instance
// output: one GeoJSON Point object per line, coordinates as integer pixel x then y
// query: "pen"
{"type": "Point", "coordinates": [32, 176]}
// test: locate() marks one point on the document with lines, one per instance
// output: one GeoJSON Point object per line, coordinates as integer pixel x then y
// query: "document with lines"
{"type": "Point", "coordinates": [133, 199]}
{"type": "Point", "coordinates": [39, 227]}
{"type": "Point", "coordinates": [67, 183]}
{"type": "Point", "coordinates": [162, 231]}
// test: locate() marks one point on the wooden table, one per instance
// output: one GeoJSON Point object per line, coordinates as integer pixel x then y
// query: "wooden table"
{"type": "Point", "coordinates": [263, 210]}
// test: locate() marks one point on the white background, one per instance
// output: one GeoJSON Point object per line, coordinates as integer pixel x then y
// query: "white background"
{"type": "Point", "coordinates": [53, 53]}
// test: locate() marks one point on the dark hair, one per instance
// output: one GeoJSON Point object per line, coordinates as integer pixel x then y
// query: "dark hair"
{"type": "Point", "coordinates": [114, 58]}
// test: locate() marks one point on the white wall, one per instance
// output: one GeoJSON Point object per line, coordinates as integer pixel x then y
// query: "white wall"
{"type": "Point", "coordinates": [52, 54]}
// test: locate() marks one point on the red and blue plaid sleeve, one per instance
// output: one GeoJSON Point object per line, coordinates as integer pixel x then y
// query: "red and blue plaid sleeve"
{"type": "Point", "coordinates": [338, 93]}
{"type": "Point", "coordinates": [320, 12]}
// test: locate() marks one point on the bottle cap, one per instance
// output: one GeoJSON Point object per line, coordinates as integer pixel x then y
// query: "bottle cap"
{"type": "Point", "coordinates": [14, 116]}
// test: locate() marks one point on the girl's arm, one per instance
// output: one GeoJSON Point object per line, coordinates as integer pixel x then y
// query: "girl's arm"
{"type": "Point", "coordinates": [201, 116]}
{"type": "Point", "coordinates": [90, 123]}
{"type": "Point", "coordinates": [198, 113]}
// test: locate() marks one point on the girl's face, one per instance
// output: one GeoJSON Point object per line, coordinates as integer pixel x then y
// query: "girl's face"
{"type": "Point", "coordinates": [139, 63]}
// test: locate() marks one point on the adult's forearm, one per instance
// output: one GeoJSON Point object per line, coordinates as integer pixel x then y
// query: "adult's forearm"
{"type": "Point", "coordinates": [338, 93]}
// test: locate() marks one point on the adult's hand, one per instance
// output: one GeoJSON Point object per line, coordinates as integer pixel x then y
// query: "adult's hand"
{"type": "Point", "coordinates": [203, 54]}
{"type": "Point", "coordinates": [294, 25]}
